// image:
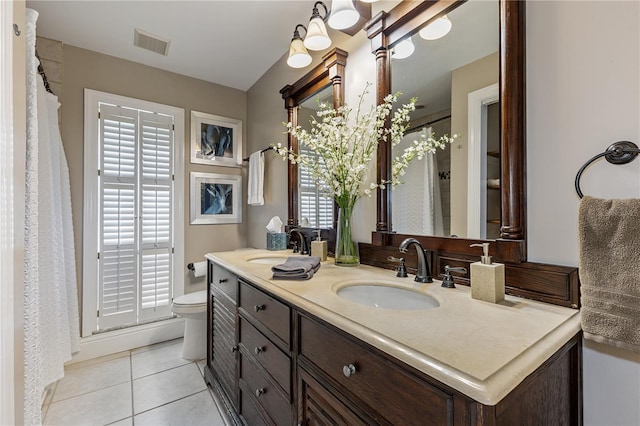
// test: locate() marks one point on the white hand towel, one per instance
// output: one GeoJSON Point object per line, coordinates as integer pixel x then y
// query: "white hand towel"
{"type": "Point", "coordinates": [256, 179]}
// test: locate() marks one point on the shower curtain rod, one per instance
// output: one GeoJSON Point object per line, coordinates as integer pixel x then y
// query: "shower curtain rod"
{"type": "Point", "coordinates": [428, 123]}
{"type": "Point", "coordinates": [41, 72]}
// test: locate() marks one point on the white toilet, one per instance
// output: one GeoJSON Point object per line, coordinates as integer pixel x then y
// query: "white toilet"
{"type": "Point", "coordinates": [193, 307]}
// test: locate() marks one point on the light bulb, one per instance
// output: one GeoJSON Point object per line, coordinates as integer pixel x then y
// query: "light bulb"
{"type": "Point", "coordinates": [298, 55]}
{"type": "Point", "coordinates": [343, 14]}
{"type": "Point", "coordinates": [437, 29]}
{"type": "Point", "coordinates": [404, 49]}
{"type": "Point", "coordinates": [317, 37]}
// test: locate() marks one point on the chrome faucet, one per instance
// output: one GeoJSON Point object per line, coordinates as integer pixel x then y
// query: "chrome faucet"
{"type": "Point", "coordinates": [423, 275]}
{"type": "Point", "coordinates": [304, 249]}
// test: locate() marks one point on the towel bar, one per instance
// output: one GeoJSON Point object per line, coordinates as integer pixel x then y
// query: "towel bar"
{"type": "Point", "coordinates": [621, 152]}
{"type": "Point", "coordinates": [264, 150]}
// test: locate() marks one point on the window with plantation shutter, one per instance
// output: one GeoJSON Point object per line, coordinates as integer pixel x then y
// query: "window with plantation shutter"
{"type": "Point", "coordinates": [315, 205]}
{"type": "Point", "coordinates": [130, 167]}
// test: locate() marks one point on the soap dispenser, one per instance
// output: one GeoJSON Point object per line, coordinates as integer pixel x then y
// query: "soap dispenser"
{"type": "Point", "coordinates": [487, 278]}
{"type": "Point", "coordinates": [319, 247]}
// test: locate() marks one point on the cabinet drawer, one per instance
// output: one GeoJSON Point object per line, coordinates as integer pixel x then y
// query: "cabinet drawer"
{"type": "Point", "coordinates": [267, 354]}
{"type": "Point", "coordinates": [264, 391]}
{"type": "Point", "coordinates": [397, 396]}
{"type": "Point", "coordinates": [224, 281]}
{"type": "Point", "coordinates": [266, 310]}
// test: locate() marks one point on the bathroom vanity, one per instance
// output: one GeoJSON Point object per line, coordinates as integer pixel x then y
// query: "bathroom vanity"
{"type": "Point", "coordinates": [296, 352]}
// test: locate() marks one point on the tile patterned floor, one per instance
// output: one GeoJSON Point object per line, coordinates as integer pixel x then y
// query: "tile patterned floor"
{"type": "Point", "coordinates": [146, 386]}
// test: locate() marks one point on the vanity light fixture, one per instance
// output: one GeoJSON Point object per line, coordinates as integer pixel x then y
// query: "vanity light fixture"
{"type": "Point", "coordinates": [298, 55]}
{"type": "Point", "coordinates": [437, 29]}
{"type": "Point", "coordinates": [343, 14]}
{"type": "Point", "coordinates": [404, 49]}
{"type": "Point", "coordinates": [317, 37]}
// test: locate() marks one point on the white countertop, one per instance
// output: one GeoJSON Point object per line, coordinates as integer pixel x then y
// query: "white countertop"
{"type": "Point", "coordinates": [481, 349]}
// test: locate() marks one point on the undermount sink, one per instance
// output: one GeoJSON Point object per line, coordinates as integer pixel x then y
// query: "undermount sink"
{"type": "Point", "coordinates": [268, 259]}
{"type": "Point", "coordinates": [387, 296]}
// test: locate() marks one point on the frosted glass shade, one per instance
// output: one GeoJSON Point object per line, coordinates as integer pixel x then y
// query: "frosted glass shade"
{"type": "Point", "coordinates": [404, 49]}
{"type": "Point", "coordinates": [343, 14]}
{"type": "Point", "coordinates": [298, 55]}
{"type": "Point", "coordinates": [317, 37]}
{"type": "Point", "coordinates": [437, 29]}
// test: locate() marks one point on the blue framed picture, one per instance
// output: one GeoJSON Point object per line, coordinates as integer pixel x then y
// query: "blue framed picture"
{"type": "Point", "coordinates": [215, 198]}
{"type": "Point", "coordinates": [216, 140]}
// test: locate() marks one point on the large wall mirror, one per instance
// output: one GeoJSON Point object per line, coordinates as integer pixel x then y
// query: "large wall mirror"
{"type": "Point", "coordinates": [307, 205]}
{"type": "Point", "coordinates": [471, 83]}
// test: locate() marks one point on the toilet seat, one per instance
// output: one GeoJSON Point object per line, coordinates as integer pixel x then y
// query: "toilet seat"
{"type": "Point", "coordinates": [191, 303]}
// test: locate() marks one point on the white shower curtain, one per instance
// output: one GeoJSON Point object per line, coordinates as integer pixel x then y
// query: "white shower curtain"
{"type": "Point", "coordinates": [51, 304]}
{"type": "Point", "coordinates": [417, 205]}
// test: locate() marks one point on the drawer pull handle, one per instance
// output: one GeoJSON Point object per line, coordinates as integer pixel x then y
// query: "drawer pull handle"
{"type": "Point", "coordinates": [259, 392]}
{"type": "Point", "coordinates": [259, 308]}
{"type": "Point", "coordinates": [223, 280]}
{"type": "Point", "coordinates": [348, 370]}
{"type": "Point", "coordinates": [259, 349]}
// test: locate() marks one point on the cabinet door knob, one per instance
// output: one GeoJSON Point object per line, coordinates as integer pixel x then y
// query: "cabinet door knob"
{"type": "Point", "coordinates": [234, 348]}
{"type": "Point", "coordinates": [259, 308]}
{"type": "Point", "coordinates": [222, 280]}
{"type": "Point", "coordinates": [348, 370]}
{"type": "Point", "coordinates": [258, 350]}
{"type": "Point", "coordinates": [259, 392]}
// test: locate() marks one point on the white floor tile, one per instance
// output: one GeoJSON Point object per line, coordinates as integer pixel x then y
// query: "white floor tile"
{"type": "Point", "coordinates": [89, 362]}
{"type": "Point", "coordinates": [193, 410]}
{"type": "Point", "coordinates": [156, 346]}
{"type": "Point", "coordinates": [161, 388]}
{"type": "Point", "coordinates": [101, 407]}
{"type": "Point", "coordinates": [157, 359]}
{"type": "Point", "coordinates": [93, 377]}
{"type": "Point", "coordinates": [124, 422]}
{"type": "Point", "coordinates": [201, 363]}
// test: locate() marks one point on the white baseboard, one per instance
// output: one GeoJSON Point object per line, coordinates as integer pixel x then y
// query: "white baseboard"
{"type": "Point", "coordinates": [128, 338]}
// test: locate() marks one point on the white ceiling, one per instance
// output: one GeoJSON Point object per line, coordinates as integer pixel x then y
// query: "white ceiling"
{"type": "Point", "coordinates": [231, 43]}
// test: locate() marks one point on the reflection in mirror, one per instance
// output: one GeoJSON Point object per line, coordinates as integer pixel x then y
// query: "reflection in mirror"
{"type": "Point", "coordinates": [437, 198]}
{"type": "Point", "coordinates": [315, 208]}
{"type": "Point", "coordinates": [326, 77]}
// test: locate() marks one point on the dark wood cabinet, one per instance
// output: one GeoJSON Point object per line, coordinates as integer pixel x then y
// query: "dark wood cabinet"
{"type": "Point", "coordinates": [222, 340]}
{"type": "Point", "coordinates": [274, 364]}
{"type": "Point", "coordinates": [249, 353]}
{"type": "Point", "coordinates": [389, 393]}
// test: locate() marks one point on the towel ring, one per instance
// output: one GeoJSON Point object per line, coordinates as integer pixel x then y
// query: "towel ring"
{"type": "Point", "coordinates": [621, 152]}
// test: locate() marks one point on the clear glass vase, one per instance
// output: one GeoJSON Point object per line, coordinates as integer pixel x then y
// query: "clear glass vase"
{"type": "Point", "coordinates": [346, 253]}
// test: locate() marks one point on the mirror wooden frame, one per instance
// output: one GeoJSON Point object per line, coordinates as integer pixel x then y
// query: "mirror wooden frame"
{"type": "Point", "coordinates": [385, 30]}
{"type": "Point", "coordinates": [329, 72]}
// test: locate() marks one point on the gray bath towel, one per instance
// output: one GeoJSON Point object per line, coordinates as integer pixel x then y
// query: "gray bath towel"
{"type": "Point", "coordinates": [296, 268]}
{"type": "Point", "coordinates": [609, 238]}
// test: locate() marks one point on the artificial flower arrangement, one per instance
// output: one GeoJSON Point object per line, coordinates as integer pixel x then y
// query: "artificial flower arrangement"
{"type": "Point", "coordinates": [344, 148]}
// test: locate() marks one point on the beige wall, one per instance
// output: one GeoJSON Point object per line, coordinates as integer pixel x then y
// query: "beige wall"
{"type": "Point", "coordinates": [583, 93]}
{"type": "Point", "coordinates": [466, 79]}
{"type": "Point", "coordinates": [87, 69]}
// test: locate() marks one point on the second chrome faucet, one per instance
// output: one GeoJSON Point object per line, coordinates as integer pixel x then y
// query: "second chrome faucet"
{"type": "Point", "coordinates": [423, 274]}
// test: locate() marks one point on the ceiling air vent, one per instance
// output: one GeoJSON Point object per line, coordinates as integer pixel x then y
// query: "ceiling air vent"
{"type": "Point", "coordinates": [151, 42]}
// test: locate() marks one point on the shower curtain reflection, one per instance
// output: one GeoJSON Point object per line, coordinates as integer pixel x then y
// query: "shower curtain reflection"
{"type": "Point", "coordinates": [417, 203]}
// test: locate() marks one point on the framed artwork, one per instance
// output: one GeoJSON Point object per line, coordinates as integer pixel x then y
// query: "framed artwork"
{"type": "Point", "coordinates": [216, 140]}
{"type": "Point", "coordinates": [215, 198]}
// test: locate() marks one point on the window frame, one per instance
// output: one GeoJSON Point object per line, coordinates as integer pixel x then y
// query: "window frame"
{"type": "Point", "coordinates": [91, 204]}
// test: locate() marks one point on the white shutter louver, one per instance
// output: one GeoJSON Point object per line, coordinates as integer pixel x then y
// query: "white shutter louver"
{"type": "Point", "coordinates": [156, 233]}
{"type": "Point", "coordinates": [136, 238]}
{"type": "Point", "coordinates": [314, 204]}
